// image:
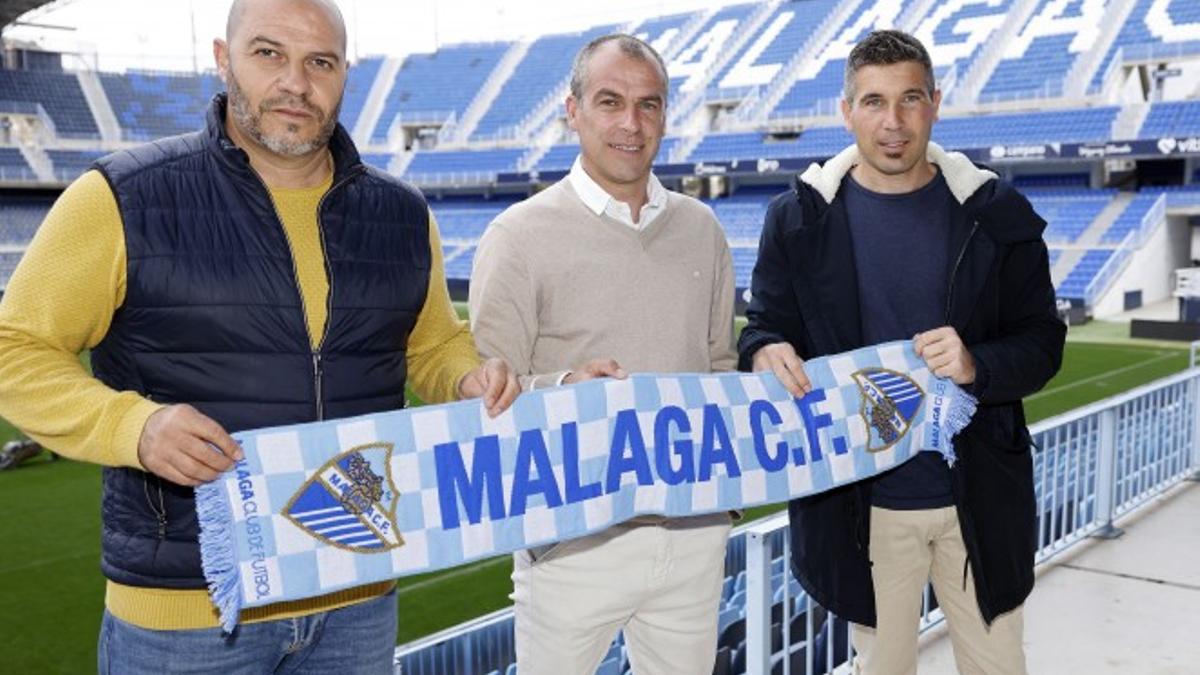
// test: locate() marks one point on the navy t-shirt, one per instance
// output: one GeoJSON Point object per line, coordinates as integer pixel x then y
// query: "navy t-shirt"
{"type": "Point", "coordinates": [901, 256]}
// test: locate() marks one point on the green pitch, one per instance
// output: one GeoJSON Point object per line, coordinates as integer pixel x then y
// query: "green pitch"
{"type": "Point", "coordinates": [52, 593]}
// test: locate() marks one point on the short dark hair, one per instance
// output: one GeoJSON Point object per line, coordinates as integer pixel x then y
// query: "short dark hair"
{"type": "Point", "coordinates": [629, 46]}
{"type": "Point", "coordinates": [883, 48]}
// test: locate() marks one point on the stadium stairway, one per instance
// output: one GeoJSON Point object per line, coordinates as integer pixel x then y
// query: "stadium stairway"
{"type": "Point", "coordinates": [488, 92]}
{"type": "Point", "coordinates": [966, 91]}
{"type": "Point", "coordinates": [1088, 238]}
{"type": "Point", "coordinates": [1113, 210]}
{"type": "Point", "coordinates": [376, 98]}
{"type": "Point", "coordinates": [1084, 68]}
{"type": "Point", "coordinates": [38, 160]}
{"type": "Point", "coordinates": [98, 103]}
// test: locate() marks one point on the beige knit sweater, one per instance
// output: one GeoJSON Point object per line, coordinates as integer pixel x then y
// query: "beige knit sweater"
{"type": "Point", "coordinates": [554, 286]}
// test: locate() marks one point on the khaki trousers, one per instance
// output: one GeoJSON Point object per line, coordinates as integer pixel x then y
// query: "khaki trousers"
{"type": "Point", "coordinates": [907, 549]}
{"type": "Point", "coordinates": [658, 579]}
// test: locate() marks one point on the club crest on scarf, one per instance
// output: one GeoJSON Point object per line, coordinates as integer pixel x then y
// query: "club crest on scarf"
{"type": "Point", "coordinates": [890, 401]}
{"type": "Point", "coordinates": [350, 502]}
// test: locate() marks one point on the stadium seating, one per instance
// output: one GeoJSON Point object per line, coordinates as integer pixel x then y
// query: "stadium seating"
{"type": "Point", "coordinates": [68, 164]}
{"type": "Point", "coordinates": [1130, 218]}
{"type": "Point", "coordinates": [153, 105]}
{"type": "Point", "coordinates": [817, 142]}
{"type": "Point", "coordinates": [1076, 283]}
{"type": "Point", "coordinates": [545, 66]}
{"type": "Point", "coordinates": [1135, 33]}
{"type": "Point", "coordinates": [949, 41]}
{"type": "Point", "coordinates": [705, 47]}
{"type": "Point", "coordinates": [480, 165]}
{"type": "Point", "coordinates": [742, 214]}
{"type": "Point", "coordinates": [358, 85]}
{"type": "Point", "coordinates": [8, 263]}
{"type": "Point", "coordinates": [58, 93]}
{"type": "Point", "coordinates": [660, 31]}
{"type": "Point", "coordinates": [13, 166]}
{"type": "Point", "coordinates": [1056, 126]}
{"type": "Point", "coordinates": [19, 219]}
{"type": "Point", "coordinates": [798, 19]}
{"type": "Point", "coordinates": [431, 87]}
{"type": "Point", "coordinates": [561, 157]}
{"type": "Point", "coordinates": [816, 93]}
{"type": "Point", "coordinates": [1037, 59]}
{"type": "Point", "coordinates": [1068, 211]}
{"type": "Point", "coordinates": [1171, 118]}
{"type": "Point", "coordinates": [1039, 71]}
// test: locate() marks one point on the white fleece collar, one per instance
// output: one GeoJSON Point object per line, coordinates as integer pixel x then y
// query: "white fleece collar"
{"type": "Point", "coordinates": [963, 177]}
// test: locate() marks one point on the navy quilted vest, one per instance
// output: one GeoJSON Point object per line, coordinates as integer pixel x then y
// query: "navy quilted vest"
{"type": "Point", "coordinates": [213, 317]}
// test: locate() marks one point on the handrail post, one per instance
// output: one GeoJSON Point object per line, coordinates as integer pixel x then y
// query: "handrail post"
{"type": "Point", "coordinates": [758, 602]}
{"type": "Point", "coordinates": [1194, 390]}
{"type": "Point", "coordinates": [1106, 476]}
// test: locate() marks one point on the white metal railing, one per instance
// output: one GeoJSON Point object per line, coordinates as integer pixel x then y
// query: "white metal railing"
{"type": "Point", "coordinates": [822, 107]}
{"type": "Point", "coordinates": [1091, 466]}
{"type": "Point", "coordinates": [1049, 89]}
{"type": "Point", "coordinates": [451, 178]}
{"type": "Point", "coordinates": [17, 174]}
{"type": "Point", "coordinates": [1160, 51]}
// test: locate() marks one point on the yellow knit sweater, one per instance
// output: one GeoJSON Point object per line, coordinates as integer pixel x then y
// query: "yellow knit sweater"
{"type": "Point", "coordinates": [60, 301]}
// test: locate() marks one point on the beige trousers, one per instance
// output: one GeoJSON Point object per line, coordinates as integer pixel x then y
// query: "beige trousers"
{"type": "Point", "coordinates": [907, 549]}
{"type": "Point", "coordinates": [658, 579]}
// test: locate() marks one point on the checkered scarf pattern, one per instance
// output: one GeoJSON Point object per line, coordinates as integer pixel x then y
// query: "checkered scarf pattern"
{"type": "Point", "coordinates": [324, 506]}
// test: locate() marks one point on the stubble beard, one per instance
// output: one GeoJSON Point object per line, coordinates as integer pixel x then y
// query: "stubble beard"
{"type": "Point", "coordinates": [249, 122]}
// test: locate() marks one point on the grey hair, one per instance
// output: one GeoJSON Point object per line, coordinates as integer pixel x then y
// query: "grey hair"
{"type": "Point", "coordinates": [883, 48]}
{"type": "Point", "coordinates": [629, 46]}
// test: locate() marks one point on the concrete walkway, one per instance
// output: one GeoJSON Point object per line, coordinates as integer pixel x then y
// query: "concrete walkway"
{"type": "Point", "coordinates": [1124, 606]}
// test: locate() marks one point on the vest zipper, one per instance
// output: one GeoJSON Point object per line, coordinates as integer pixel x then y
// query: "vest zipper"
{"type": "Point", "coordinates": [328, 296]}
{"type": "Point", "coordinates": [954, 271]}
{"type": "Point", "coordinates": [315, 351]}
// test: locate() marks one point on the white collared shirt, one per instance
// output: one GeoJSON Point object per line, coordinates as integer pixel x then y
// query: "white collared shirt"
{"type": "Point", "coordinates": [600, 202]}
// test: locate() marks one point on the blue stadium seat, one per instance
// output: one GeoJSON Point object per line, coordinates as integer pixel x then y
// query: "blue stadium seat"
{"type": "Point", "coordinates": [798, 20]}
{"type": "Point", "coordinates": [433, 86]}
{"type": "Point", "coordinates": [13, 166]}
{"type": "Point", "coordinates": [8, 263]}
{"type": "Point", "coordinates": [1135, 34]}
{"type": "Point", "coordinates": [153, 105]}
{"type": "Point", "coordinates": [1130, 218]}
{"type": "Point", "coordinates": [58, 93]}
{"type": "Point", "coordinates": [1076, 282]}
{"type": "Point", "coordinates": [1068, 211]}
{"type": "Point", "coordinates": [1171, 118]}
{"type": "Point", "coordinates": [544, 67]}
{"type": "Point", "coordinates": [480, 165]}
{"type": "Point", "coordinates": [20, 218]}
{"type": "Point", "coordinates": [68, 164]}
{"type": "Point", "coordinates": [358, 86]}
{"type": "Point", "coordinates": [691, 60]}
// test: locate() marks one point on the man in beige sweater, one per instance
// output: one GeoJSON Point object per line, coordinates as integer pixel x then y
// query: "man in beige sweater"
{"type": "Point", "coordinates": [604, 273]}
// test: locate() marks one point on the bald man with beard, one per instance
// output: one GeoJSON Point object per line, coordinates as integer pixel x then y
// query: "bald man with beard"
{"type": "Point", "coordinates": [251, 274]}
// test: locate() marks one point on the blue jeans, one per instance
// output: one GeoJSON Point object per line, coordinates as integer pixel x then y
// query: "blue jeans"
{"type": "Point", "coordinates": [359, 639]}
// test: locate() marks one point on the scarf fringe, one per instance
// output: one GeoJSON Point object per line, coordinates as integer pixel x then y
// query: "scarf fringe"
{"type": "Point", "coordinates": [958, 416]}
{"type": "Point", "coordinates": [217, 554]}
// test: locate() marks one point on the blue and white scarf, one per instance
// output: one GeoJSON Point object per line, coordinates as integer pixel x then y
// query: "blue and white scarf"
{"type": "Point", "coordinates": [324, 506]}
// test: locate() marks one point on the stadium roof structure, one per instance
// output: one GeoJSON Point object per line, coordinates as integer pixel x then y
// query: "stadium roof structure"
{"type": "Point", "coordinates": [11, 10]}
